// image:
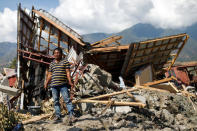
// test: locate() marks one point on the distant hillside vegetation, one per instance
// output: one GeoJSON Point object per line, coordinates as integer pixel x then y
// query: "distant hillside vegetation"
{"type": "Point", "coordinates": [7, 52]}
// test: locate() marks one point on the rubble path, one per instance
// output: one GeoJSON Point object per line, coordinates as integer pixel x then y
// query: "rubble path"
{"type": "Point", "coordinates": [164, 111]}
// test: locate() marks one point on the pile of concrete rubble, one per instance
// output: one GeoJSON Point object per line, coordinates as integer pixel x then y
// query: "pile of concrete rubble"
{"type": "Point", "coordinates": [163, 110]}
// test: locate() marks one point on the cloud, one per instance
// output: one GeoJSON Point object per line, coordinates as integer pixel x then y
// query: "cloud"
{"type": "Point", "coordinates": [172, 13]}
{"type": "Point", "coordinates": [8, 25]}
{"type": "Point", "coordinates": [110, 16]}
{"type": "Point", "coordinates": [88, 16]}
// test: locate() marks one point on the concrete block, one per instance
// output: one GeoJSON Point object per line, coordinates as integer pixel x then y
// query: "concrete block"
{"type": "Point", "coordinates": [140, 98]}
{"type": "Point", "coordinates": [122, 109]}
{"type": "Point", "coordinates": [9, 90]}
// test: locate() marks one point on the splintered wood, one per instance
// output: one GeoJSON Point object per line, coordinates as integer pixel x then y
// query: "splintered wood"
{"type": "Point", "coordinates": [36, 118]}
{"type": "Point", "coordinates": [122, 103]}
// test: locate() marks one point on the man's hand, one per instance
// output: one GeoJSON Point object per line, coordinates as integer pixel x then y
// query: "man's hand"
{"type": "Point", "coordinates": [71, 91]}
{"type": "Point", "coordinates": [71, 84]}
{"type": "Point", "coordinates": [45, 86]}
{"type": "Point", "coordinates": [48, 80]}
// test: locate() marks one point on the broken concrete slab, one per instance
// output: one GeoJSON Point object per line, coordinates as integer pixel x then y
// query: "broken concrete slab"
{"type": "Point", "coordinates": [9, 72]}
{"type": "Point", "coordinates": [9, 90]}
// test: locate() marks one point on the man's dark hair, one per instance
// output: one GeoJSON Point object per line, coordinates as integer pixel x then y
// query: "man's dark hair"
{"type": "Point", "coordinates": [58, 49]}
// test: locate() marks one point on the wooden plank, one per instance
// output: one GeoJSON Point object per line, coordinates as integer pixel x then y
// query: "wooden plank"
{"type": "Point", "coordinates": [150, 88]}
{"type": "Point", "coordinates": [60, 28]}
{"type": "Point", "coordinates": [58, 40]}
{"type": "Point", "coordinates": [49, 38]}
{"type": "Point", "coordinates": [106, 41]}
{"type": "Point", "coordinates": [36, 118]}
{"type": "Point", "coordinates": [114, 103]}
{"type": "Point", "coordinates": [9, 90]}
{"type": "Point", "coordinates": [107, 106]}
{"type": "Point", "coordinates": [144, 75]}
{"type": "Point", "coordinates": [41, 25]}
{"type": "Point", "coordinates": [130, 54]}
{"type": "Point", "coordinates": [160, 81]}
{"type": "Point", "coordinates": [164, 38]}
{"type": "Point", "coordinates": [109, 49]}
{"type": "Point", "coordinates": [165, 86]}
{"type": "Point", "coordinates": [112, 94]}
{"type": "Point", "coordinates": [174, 87]}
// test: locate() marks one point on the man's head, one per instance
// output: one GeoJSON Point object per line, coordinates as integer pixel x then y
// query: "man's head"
{"type": "Point", "coordinates": [57, 53]}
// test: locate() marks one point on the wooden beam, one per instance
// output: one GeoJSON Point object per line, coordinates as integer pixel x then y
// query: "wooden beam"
{"type": "Point", "coordinates": [36, 118]}
{"type": "Point", "coordinates": [106, 41]}
{"type": "Point", "coordinates": [59, 27]}
{"type": "Point", "coordinates": [114, 103]}
{"type": "Point", "coordinates": [49, 37]}
{"type": "Point", "coordinates": [132, 60]}
{"type": "Point", "coordinates": [109, 49]}
{"type": "Point", "coordinates": [41, 26]}
{"type": "Point", "coordinates": [112, 94]}
{"type": "Point", "coordinates": [164, 38]}
{"type": "Point", "coordinates": [59, 36]}
{"type": "Point", "coordinates": [150, 88]}
{"type": "Point", "coordinates": [107, 106]}
{"type": "Point", "coordinates": [174, 87]}
{"type": "Point", "coordinates": [118, 43]}
{"type": "Point", "coordinates": [160, 81]}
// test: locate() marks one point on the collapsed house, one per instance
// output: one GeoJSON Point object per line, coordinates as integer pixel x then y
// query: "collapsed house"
{"type": "Point", "coordinates": [40, 32]}
{"type": "Point", "coordinates": [140, 64]}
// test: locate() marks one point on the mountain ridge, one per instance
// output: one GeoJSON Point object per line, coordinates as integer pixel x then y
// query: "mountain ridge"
{"type": "Point", "coordinates": [141, 32]}
{"type": "Point", "coordinates": [136, 33]}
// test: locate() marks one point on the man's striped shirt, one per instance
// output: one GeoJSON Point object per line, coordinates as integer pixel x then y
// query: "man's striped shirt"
{"type": "Point", "coordinates": [58, 71]}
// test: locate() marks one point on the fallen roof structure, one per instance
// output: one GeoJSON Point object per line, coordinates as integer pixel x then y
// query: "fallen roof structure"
{"type": "Point", "coordinates": [160, 53]}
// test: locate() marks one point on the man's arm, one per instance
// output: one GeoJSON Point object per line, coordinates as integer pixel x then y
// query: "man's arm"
{"type": "Point", "coordinates": [69, 77]}
{"type": "Point", "coordinates": [48, 80]}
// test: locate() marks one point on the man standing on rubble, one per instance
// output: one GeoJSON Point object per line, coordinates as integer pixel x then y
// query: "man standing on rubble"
{"type": "Point", "coordinates": [59, 76]}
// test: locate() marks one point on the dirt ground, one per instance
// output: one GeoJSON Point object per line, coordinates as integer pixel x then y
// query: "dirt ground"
{"type": "Point", "coordinates": [163, 111]}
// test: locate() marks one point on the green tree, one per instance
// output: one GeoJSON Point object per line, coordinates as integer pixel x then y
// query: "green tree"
{"type": "Point", "coordinates": [13, 64]}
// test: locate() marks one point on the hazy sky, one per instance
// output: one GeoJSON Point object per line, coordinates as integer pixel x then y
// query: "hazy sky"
{"type": "Point", "coordinates": [90, 16]}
